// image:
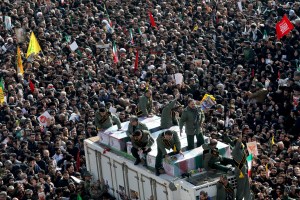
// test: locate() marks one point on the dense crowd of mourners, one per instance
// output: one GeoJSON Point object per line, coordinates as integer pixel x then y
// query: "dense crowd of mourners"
{"type": "Point", "coordinates": [221, 50]}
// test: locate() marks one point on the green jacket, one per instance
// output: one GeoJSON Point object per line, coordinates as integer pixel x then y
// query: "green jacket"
{"type": "Point", "coordinates": [210, 155]}
{"type": "Point", "coordinates": [163, 144]}
{"type": "Point", "coordinates": [146, 140]}
{"type": "Point", "coordinates": [192, 119]}
{"type": "Point", "coordinates": [144, 106]}
{"type": "Point", "coordinates": [224, 192]}
{"type": "Point", "coordinates": [167, 118]}
{"type": "Point", "coordinates": [107, 121]}
{"type": "Point", "coordinates": [140, 126]}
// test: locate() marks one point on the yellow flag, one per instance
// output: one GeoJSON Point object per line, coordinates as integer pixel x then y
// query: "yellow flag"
{"type": "Point", "coordinates": [19, 61]}
{"type": "Point", "coordinates": [33, 46]}
{"type": "Point", "coordinates": [241, 175]}
{"type": "Point", "coordinates": [174, 148]}
{"type": "Point", "coordinates": [196, 27]}
{"type": "Point", "coordinates": [2, 98]}
{"type": "Point", "coordinates": [272, 141]}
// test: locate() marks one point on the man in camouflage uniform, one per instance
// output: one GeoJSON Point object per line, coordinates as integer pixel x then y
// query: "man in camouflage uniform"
{"type": "Point", "coordinates": [141, 141]}
{"type": "Point", "coordinates": [105, 120]}
{"type": "Point", "coordinates": [135, 125]}
{"type": "Point", "coordinates": [145, 105]}
{"type": "Point", "coordinates": [225, 190]}
{"type": "Point", "coordinates": [193, 118]}
{"type": "Point", "coordinates": [212, 159]}
{"type": "Point", "coordinates": [241, 170]}
{"type": "Point", "coordinates": [166, 140]}
{"type": "Point", "coordinates": [168, 115]}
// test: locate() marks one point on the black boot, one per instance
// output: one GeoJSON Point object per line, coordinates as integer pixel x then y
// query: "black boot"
{"type": "Point", "coordinates": [157, 172]}
{"type": "Point", "coordinates": [137, 161]}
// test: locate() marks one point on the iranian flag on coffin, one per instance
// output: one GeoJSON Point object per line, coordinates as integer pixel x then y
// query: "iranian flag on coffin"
{"type": "Point", "coordinates": [118, 140]}
{"type": "Point", "coordinates": [182, 164]}
{"type": "Point", "coordinates": [104, 137]}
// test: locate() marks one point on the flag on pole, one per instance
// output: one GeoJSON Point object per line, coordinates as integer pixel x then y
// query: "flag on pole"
{"type": "Point", "coordinates": [152, 21]}
{"type": "Point", "coordinates": [2, 96]}
{"type": "Point", "coordinates": [110, 23]}
{"type": "Point", "coordinates": [115, 53]}
{"type": "Point", "coordinates": [33, 46]}
{"type": "Point", "coordinates": [31, 86]}
{"type": "Point", "coordinates": [249, 163]}
{"type": "Point", "coordinates": [283, 27]}
{"type": "Point", "coordinates": [131, 36]}
{"type": "Point", "coordinates": [136, 63]}
{"type": "Point", "coordinates": [19, 61]}
{"type": "Point", "coordinates": [140, 32]}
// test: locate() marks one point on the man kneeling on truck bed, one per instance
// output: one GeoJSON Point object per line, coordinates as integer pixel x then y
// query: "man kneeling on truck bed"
{"type": "Point", "coordinates": [141, 145]}
{"type": "Point", "coordinates": [166, 140]}
{"type": "Point", "coordinates": [213, 160]}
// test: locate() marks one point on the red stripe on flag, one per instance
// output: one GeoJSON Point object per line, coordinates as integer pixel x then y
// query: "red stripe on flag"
{"type": "Point", "coordinates": [136, 63]}
{"type": "Point", "coordinates": [31, 86]}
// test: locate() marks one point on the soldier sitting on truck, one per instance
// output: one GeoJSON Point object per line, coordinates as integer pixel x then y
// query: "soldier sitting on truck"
{"type": "Point", "coordinates": [135, 125]}
{"type": "Point", "coordinates": [141, 142]}
{"type": "Point", "coordinates": [166, 140]}
{"type": "Point", "coordinates": [212, 158]}
{"type": "Point", "coordinates": [105, 120]}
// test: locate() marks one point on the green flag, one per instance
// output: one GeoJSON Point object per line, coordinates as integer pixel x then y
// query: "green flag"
{"type": "Point", "coordinates": [79, 197]}
{"type": "Point", "coordinates": [249, 163]}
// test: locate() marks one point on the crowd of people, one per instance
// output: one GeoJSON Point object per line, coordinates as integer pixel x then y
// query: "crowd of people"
{"type": "Point", "coordinates": [220, 48]}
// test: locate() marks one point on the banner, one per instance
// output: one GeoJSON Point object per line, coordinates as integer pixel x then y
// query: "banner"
{"type": "Point", "coordinates": [283, 27]}
{"type": "Point", "coordinates": [7, 21]}
{"type": "Point", "coordinates": [252, 148]}
{"type": "Point", "coordinates": [45, 119]}
{"type": "Point", "coordinates": [20, 34]}
{"type": "Point", "coordinates": [207, 102]}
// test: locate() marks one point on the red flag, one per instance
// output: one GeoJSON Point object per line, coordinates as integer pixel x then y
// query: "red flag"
{"type": "Point", "coordinates": [136, 63]}
{"type": "Point", "coordinates": [153, 24]}
{"type": "Point", "coordinates": [252, 73]}
{"type": "Point", "coordinates": [31, 86]}
{"type": "Point", "coordinates": [78, 163]}
{"type": "Point", "coordinates": [283, 27]}
{"type": "Point", "coordinates": [278, 75]}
